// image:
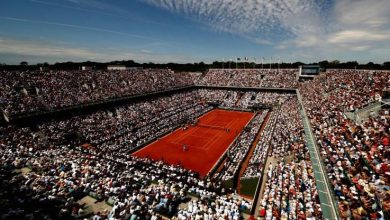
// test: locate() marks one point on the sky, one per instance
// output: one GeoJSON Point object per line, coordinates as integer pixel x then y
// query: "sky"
{"type": "Point", "coordinates": [185, 31]}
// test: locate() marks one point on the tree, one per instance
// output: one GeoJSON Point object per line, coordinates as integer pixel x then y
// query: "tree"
{"type": "Point", "coordinates": [351, 64]}
{"type": "Point", "coordinates": [324, 63]}
{"type": "Point", "coordinates": [24, 63]}
{"type": "Point", "coordinates": [297, 64]}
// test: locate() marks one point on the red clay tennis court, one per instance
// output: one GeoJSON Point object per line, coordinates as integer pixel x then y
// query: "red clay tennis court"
{"type": "Point", "coordinates": [206, 141]}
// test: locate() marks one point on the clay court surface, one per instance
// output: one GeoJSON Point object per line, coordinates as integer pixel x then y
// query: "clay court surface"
{"type": "Point", "coordinates": [206, 141]}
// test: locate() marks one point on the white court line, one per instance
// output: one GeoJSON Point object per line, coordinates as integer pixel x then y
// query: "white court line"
{"type": "Point", "coordinates": [230, 145]}
{"type": "Point", "coordinates": [233, 121]}
{"type": "Point", "coordinates": [168, 134]}
{"type": "Point", "coordinates": [217, 136]}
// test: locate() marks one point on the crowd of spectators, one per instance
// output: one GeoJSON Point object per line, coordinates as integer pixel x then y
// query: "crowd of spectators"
{"type": "Point", "coordinates": [64, 170]}
{"type": "Point", "coordinates": [210, 206]}
{"type": "Point", "coordinates": [281, 137]}
{"type": "Point", "coordinates": [213, 94]}
{"type": "Point", "coordinates": [260, 154]}
{"type": "Point", "coordinates": [89, 154]}
{"type": "Point", "coordinates": [240, 148]}
{"type": "Point", "coordinates": [290, 191]}
{"type": "Point", "coordinates": [244, 99]}
{"type": "Point", "coordinates": [124, 128]}
{"type": "Point", "coordinates": [33, 91]}
{"type": "Point", "coordinates": [127, 127]}
{"type": "Point", "coordinates": [288, 133]}
{"type": "Point", "coordinates": [356, 155]}
{"type": "Point", "coordinates": [30, 91]}
{"type": "Point", "coordinates": [266, 98]}
{"type": "Point", "coordinates": [139, 188]}
{"type": "Point", "coordinates": [267, 78]}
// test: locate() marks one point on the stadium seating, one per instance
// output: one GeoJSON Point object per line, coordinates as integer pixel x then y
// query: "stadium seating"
{"type": "Point", "coordinates": [290, 192]}
{"type": "Point", "coordinates": [46, 167]}
{"type": "Point", "coordinates": [112, 134]}
{"type": "Point", "coordinates": [239, 148]}
{"type": "Point", "coordinates": [282, 136]}
{"type": "Point", "coordinates": [356, 155]}
{"type": "Point", "coordinates": [266, 78]}
{"type": "Point", "coordinates": [27, 92]}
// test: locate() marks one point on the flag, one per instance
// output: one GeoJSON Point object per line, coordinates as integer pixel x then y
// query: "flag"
{"type": "Point", "coordinates": [246, 58]}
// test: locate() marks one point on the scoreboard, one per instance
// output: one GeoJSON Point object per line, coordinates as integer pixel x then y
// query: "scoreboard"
{"type": "Point", "coordinates": [309, 70]}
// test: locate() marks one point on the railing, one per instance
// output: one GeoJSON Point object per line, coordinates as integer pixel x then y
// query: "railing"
{"type": "Point", "coordinates": [246, 88]}
{"type": "Point", "coordinates": [327, 199]}
{"type": "Point", "coordinates": [363, 113]}
{"type": "Point", "coordinates": [256, 196]}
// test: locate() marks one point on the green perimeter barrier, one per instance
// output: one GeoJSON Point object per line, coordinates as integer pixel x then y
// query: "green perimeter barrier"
{"type": "Point", "coordinates": [248, 186]}
{"type": "Point", "coordinates": [228, 184]}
